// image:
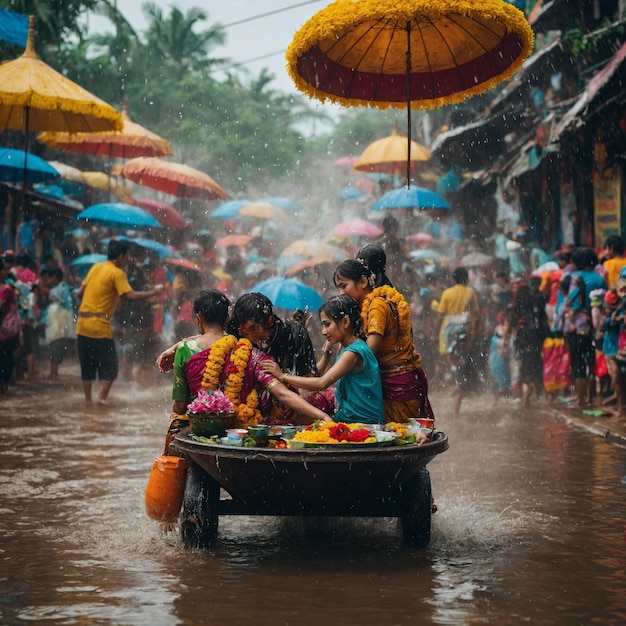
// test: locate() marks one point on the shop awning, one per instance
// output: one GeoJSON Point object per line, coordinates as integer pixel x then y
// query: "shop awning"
{"type": "Point", "coordinates": [582, 109]}
{"type": "Point", "coordinates": [553, 58]}
{"type": "Point", "coordinates": [554, 15]}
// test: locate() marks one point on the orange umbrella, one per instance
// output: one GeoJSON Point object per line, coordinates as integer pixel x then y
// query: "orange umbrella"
{"type": "Point", "coordinates": [308, 264]}
{"type": "Point", "coordinates": [184, 263]}
{"type": "Point", "coordinates": [389, 155]}
{"type": "Point", "coordinates": [173, 178]}
{"type": "Point", "coordinates": [233, 240]}
{"type": "Point", "coordinates": [132, 141]}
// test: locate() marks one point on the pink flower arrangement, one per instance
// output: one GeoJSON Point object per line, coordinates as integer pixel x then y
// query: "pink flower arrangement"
{"type": "Point", "coordinates": [211, 402]}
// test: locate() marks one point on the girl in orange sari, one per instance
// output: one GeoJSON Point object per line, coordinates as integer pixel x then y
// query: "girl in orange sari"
{"type": "Point", "coordinates": [387, 319]}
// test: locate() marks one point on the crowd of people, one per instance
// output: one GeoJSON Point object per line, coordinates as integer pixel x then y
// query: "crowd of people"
{"type": "Point", "coordinates": [523, 322]}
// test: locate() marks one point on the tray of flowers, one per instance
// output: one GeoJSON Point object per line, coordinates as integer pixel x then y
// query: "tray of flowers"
{"type": "Point", "coordinates": [331, 434]}
{"type": "Point", "coordinates": [211, 414]}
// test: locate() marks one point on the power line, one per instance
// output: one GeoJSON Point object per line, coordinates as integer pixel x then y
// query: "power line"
{"type": "Point", "coordinates": [257, 17]}
{"type": "Point", "coordinates": [240, 63]}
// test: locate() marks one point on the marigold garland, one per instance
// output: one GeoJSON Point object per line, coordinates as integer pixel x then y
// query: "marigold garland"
{"type": "Point", "coordinates": [397, 299]}
{"type": "Point", "coordinates": [239, 352]}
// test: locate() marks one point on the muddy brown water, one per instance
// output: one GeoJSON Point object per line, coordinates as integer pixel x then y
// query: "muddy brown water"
{"type": "Point", "coordinates": [531, 528]}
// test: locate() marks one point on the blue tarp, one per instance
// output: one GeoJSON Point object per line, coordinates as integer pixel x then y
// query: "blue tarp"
{"type": "Point", "coordinates": [13, 27]}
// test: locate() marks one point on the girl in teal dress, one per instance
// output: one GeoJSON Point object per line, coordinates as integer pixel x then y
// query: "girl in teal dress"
{"type": "Point", "coordinates": [355, 373]}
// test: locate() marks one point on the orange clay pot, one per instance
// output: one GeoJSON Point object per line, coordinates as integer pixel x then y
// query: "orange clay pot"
{"type": "Point", "coordinates": [165, 488]}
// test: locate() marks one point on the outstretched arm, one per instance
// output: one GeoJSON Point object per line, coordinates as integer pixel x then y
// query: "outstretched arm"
{"type": "Point", "coordinates": [346, 362]}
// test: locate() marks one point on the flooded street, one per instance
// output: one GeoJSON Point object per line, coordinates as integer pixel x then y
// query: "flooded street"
{"type": "Point", "coordinates": [531, 528]}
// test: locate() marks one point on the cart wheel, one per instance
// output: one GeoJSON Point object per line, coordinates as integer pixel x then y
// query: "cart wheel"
{"type": "Point", "coordinates": [416, 510]}
{"type": "Point", "coordinates": [199, 522]}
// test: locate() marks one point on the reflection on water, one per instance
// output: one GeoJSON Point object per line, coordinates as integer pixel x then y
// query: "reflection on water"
{"type": "Point", "coordinates": [530, 528]}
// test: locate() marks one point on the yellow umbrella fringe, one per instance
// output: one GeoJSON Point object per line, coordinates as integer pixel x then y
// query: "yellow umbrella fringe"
{"type": "Point", "coordinates": [343, 14]}
{"type": "Point", "coordinates": [24, 65]}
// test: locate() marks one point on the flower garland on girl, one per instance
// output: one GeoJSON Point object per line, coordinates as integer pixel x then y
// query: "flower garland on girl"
{"type": "Point", "coordinates": [394, 297]}
{"type": "Point", "coordinates": [239, 352]}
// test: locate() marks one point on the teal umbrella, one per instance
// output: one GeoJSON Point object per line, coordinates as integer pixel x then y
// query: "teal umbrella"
{"type": "Point", "coordinates": [287, 293]}
{"type": "Point", "coordinates": [82, 264]}
{"type": "Point", "coordinates": [413, 197]}
{"type": "Point", "coordinates": [13, 162]}
{"type": "Point", "coordinates": [119, 215]}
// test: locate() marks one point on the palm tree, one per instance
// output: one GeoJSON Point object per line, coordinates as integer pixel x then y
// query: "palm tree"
{"type": "Point", "coordinates": [174, 40]}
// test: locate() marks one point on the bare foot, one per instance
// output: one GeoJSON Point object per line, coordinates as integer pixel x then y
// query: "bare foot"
{"type": "Point", "coordinates": [102, 402]}
{"type": "Point", "coordinates": [609, 400]}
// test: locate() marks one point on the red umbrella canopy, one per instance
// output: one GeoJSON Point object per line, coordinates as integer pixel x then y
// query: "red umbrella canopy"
{"type": "Point", "coordinates": [176, 179]}
{"type": "Point", "coordinates": [130, 142]}
{"type": "Point", "coordinates": [233, 240]}
{"type": "Point", "coordinates": [166, 214]}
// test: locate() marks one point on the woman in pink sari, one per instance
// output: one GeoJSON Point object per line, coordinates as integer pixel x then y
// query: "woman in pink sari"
{"type": "Point", "coordinates": [214, 359]}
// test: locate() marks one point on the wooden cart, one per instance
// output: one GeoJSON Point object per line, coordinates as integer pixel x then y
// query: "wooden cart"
{"type": "Point", "coordinates": [339, 481]}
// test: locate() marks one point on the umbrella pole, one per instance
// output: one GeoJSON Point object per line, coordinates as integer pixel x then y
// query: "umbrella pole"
{"type": "Point", "coordinates": [12, 234]}
{"type": "Point", "coordinates": [408, 103]}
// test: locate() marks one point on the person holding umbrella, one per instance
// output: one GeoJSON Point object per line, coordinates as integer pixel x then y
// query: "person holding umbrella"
{"type": "Point", "coordinates": [99, 293]}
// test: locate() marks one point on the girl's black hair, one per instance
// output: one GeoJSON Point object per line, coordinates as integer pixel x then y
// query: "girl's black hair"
{"type": "Point", "coordinates": [354, 269]}
{"type": "Point", "coordinates": [251, 307]}
{"type": "Point", "coordinates": [212, 305]}
{"type": "Point", "coordinates": [376, 259]}
{"type": "Point", "coordinates": [342, 306]}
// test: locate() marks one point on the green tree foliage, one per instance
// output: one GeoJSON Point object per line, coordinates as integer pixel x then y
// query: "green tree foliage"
{"type": "Point", "coordinates": [235, 127]}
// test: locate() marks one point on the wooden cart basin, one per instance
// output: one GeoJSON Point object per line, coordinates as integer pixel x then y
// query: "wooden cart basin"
{"type": "Point", "coordinates": [311, 481]}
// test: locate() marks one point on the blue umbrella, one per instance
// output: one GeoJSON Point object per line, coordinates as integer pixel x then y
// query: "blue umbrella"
{"type": "Point", "coordinates": [426, 255]}
{"type": "Point", "coordinates": [412, 198]}
{"type": "Point", "coordinates": [286, 293]}
{"type": "Point", "coordinates": [119, 215]}
{"type": "Point", "coordinates": [281, 203]}
{"type": "Point", "coordinates": [12, 163]}
{"type": "Point", "coordinates": [82, 264]}
{"type": "Point", "coordinates": [350, 193]}
{"type": "Point", "coordinates": [229, 209]}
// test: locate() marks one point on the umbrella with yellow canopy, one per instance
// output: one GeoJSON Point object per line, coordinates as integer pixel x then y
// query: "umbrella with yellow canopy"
{"type": "Point", "coordinates": [408, 53]}
{"type": "Point", "coordinates": [389, 155]}
{"type": "Point", "coordinates": [132, 141]}
{"type": "Point", "coordinates": [33, 96]}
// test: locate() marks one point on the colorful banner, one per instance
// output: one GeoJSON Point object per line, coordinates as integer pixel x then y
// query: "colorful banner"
{"type": "Point", "coordinates": [606, 203]}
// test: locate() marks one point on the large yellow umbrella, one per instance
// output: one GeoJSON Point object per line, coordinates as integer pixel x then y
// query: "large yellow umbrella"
{"type": "Point", "coordinates": [132, 141]}
{"type": "Point", "coordinates": [389, 155]}
{"type": "Point", "coordinates": [408, 53]}
{"type": "Point", "coordinates": [33, 96]}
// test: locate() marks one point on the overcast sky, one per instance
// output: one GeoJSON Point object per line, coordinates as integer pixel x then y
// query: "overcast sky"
{"type": "Point", "coordinates": [250, 40]}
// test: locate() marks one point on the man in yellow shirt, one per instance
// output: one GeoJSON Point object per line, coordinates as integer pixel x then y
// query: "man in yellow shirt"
{"type": "Point", "coordinates": [615, 260]}
{"type": "Point", "coordinates": [100, 292]}
{"type": "Point", "coordinates": [461, 313]}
